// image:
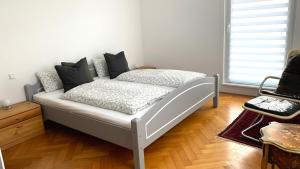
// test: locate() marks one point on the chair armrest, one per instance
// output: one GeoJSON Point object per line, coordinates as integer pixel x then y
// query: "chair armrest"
{"type": "Point", "coordinates": [276, 95]}
{"type": "Point", "coordinates": [264, 81]}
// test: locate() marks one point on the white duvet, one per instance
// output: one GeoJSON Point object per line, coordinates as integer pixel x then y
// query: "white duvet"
{"type": "Point", "coordinates": [162, 77]}
{"type": "Point", "coordinates": [121, 96]}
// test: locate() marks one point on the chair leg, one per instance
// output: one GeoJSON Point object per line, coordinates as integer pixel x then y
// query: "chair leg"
{"type": "Point", "coordinates": [264, 160]}
{"type": "Point", "coordinates": [273, 166]}
{"type": "Point", "coordinates": [250, 127]}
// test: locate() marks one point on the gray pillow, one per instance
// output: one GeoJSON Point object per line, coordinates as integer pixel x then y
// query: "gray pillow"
{"type": "Point", "coordinates": [100, 66]}
{"type": "Point", "coordinates": [50, 80]}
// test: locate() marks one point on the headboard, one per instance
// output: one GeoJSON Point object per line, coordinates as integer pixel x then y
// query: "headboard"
{"type": "Point", "coordinates": [32, 89]}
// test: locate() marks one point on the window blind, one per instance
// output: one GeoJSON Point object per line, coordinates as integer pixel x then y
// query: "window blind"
{"type": "Point", "coordinates": [258, 40]}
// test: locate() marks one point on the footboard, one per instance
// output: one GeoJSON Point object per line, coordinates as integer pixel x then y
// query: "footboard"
{"type": "Point", "coordinates": [175, 108]}
{"type": "Point", "coordinates": [169, 112]}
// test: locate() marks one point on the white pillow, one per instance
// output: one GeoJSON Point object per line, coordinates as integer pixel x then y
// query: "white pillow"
{"type": "Point", "coordinates": [100, 66]}
{"type": "Point", "coordinates": [50, 80]}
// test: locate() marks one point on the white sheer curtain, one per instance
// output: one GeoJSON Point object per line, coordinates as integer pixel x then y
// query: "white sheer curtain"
{"type": "Point", "coordinates": [257, 40]}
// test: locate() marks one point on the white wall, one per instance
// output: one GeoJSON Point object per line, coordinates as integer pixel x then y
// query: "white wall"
{"type": "Point", "coordinates": [37, 34]}
{"type": "Point", "coordinates": [296, 43]}
{"type": "Point", "coordinates": [183, 34]}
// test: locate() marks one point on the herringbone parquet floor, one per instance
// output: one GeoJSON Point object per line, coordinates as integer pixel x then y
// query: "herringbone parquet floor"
{"type": "Point", "coordinates": [193, 144]}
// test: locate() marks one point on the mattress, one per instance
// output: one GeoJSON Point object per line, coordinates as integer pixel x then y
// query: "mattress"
{"type": "Point", "coordinates": [53, 99]}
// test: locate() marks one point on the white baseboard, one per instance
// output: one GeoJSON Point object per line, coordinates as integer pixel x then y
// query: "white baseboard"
{"type": "Point", "coordinates": [242, 90]}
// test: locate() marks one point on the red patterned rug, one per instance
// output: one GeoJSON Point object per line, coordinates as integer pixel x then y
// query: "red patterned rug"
{"type": "Point", "coordinates": [233, 131]}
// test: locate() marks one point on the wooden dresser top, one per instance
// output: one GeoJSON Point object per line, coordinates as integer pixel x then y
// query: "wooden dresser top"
{"type": "Point", "coordinates": [283, 136]}
{"type": "Point", "coordinates": [17, 109]}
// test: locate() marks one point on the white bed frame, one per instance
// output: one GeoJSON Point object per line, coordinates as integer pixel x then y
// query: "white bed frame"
{"type": "Point", "coordinates": [163, 116]}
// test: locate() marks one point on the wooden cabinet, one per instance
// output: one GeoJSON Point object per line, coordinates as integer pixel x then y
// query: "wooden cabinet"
{"type": "Point", "coordinates": [281, 145]}
{"type": "Point", "coordinates": [20, 123]}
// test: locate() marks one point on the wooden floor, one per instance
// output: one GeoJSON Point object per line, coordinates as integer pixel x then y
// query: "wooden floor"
{"type": "Point", "coordinates": [193, 144]}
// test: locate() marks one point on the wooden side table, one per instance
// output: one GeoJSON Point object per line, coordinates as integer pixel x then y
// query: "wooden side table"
{"type": "Point", "coordinates": [281, 145]}
{"type": "Point", "coordinates": [20, 123]}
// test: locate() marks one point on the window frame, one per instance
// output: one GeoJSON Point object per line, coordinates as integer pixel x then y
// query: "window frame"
{"type": "Point", "coordinates": [226, 45]}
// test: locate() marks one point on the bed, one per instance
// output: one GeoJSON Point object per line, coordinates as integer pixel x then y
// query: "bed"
{"type": "Point", "coordinates": [134, 132]}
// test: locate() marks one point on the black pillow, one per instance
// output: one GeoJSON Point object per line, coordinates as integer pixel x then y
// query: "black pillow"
{"type": "Point", "coordinates": [289, 83]}
{"type": "Point", "coordinates": [74, 75]}
{"type": "Point", "coordinates": [116, 64]}
{"type": "Point", "coordinates": [82, 63]}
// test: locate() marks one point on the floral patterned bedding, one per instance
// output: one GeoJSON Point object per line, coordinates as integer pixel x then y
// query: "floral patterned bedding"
{"type": "Point", "coordinates": [126, 97]}
{"type": "Point", "coordinates": [162, 77]}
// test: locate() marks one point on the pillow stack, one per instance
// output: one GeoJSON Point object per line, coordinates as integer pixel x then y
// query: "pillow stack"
{"type": "Point", "coordinates": [69, 75]}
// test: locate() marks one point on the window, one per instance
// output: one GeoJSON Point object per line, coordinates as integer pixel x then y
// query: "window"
{"type": "Point", "coordinates": [257, 39]}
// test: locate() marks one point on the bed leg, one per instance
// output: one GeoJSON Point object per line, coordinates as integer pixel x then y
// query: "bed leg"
{"type": "Point", "coordinates": [137, 148]}
{"type": "Point", "coordinates": [28, 92]}
{"type": "Point", "coordinates": [138, 155]}
{"type": "Point", "coordinates": [216, 102]}
{"type": "Point", "coordinates": [217, 90]}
